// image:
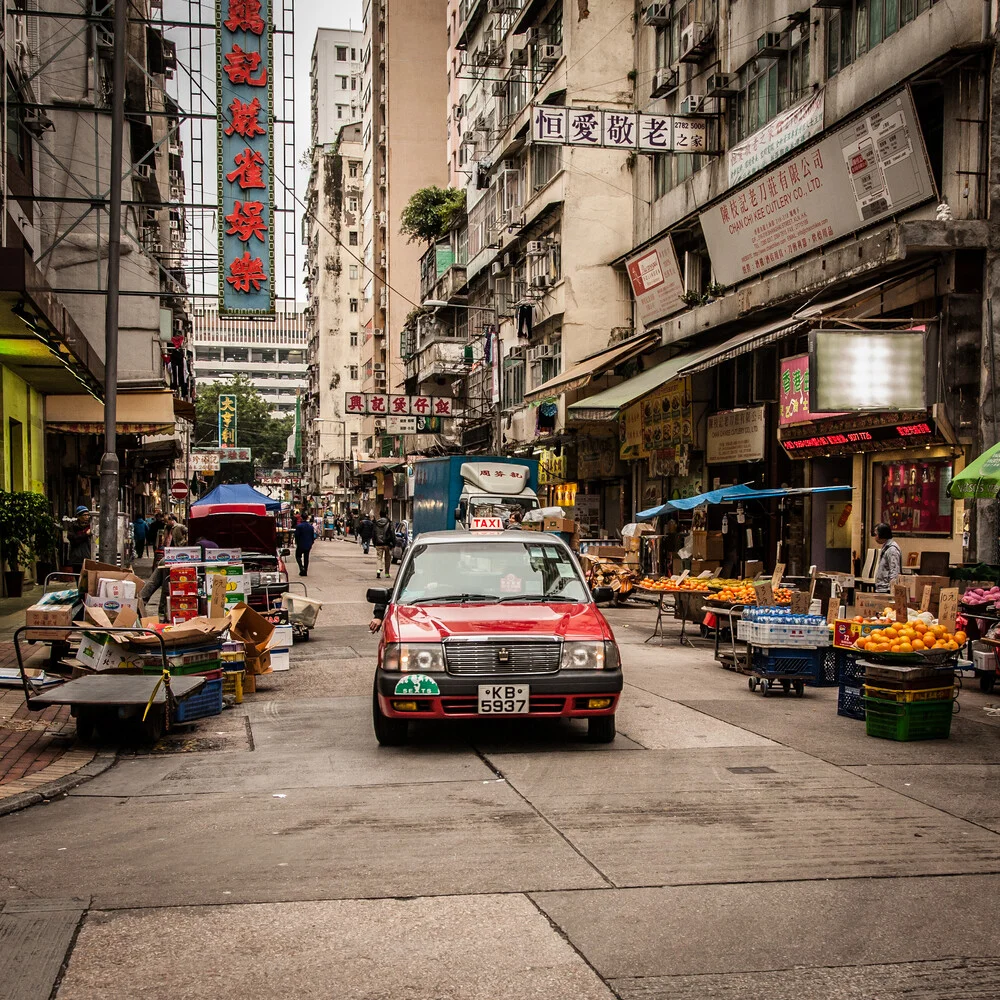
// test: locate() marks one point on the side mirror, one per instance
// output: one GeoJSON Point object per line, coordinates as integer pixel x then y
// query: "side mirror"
{"type": "Point", "coordinates": [602, 595]}
{"type": "Point", "coordinates": [286, 552]}
{"type": "Point", "coordinates": [378, 595]}
{"type": "Point", "coordinates": [458, 513]}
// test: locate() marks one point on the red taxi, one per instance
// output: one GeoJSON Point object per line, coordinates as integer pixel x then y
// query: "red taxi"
{"type": "Point", "coordinates": [485, 625]}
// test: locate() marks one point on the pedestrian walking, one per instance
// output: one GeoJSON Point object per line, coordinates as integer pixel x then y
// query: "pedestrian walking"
{"type": "Point", "coordinates": [385, 542]}
{"type": "Point", "coordinates": [366, 530]}
{"type": "Point", "coordinates": [139, 535]}
{"type": "Point", "coordinates": [157, 581]}
{"type": "Point", "coordinates": [305, 535]}
{"type": "Point", "coordinates": [175, 532]}
{"type": "Point", "coordinates": [80, 537]}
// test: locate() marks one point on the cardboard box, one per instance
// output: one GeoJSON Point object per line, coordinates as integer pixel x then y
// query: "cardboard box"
{"type": "Point", "coordinates": [182, 617]}
{"type": "Point", "coordinates": [223, 555]}
{"type": "Point", "coordinates": [699, 566]}
{"type": "Point", "coordinates": [235, 580]}
{"type": "Point", "coordinates": [753, 568]}
{"type": "Point", "coordinates": [50, 614]}
{"type": "Point", "coordinates": [560, 524]}
{"type": "Point", "coordinates": [184, 604]}
{"type": "Point", "coordinates": [182, 554]}
{"type": "Point", "coordinates": [607, 551]}
{"type": "Point", "coordinates": [189, 588]}
{"type": "Point", "coordinates": [183, 575]}
{"type": "Point", "coordinates": [112, 605]}
{"type": "Point", "coordinates": [847, 632]}
{"type": "Point", "coordinates": [93, 566]}
{"type": "Point", "coordinates": [632, 543]}
{"type": "Point", "coordinates": [707, 545]}
{"type": "Point", "coordinates": [916, 586]}
{"type": "Point", "coordinates": [192, 632]}
{"type": "Point", "coordinates": [255, 633]}
{"type": "Point", "coordinates": [94, 572]}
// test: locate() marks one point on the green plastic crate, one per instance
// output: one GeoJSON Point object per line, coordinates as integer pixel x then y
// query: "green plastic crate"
{"type": "Point", "coordinates": [904, 721]}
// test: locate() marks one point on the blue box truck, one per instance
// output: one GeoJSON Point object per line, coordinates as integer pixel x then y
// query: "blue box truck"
{"type": "Point", "coordinates": [479, 492]}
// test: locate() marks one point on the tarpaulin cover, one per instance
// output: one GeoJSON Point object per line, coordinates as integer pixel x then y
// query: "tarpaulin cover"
{"type": "Point", "coordinates": [727, 494]}
{"type": "Point", "coordinates": [236, 493]}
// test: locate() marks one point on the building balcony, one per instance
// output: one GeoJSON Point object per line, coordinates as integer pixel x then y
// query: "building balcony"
{"type": "Point", "coordinates": [437, 364]}
{"type": "Point", "coordinates": [451, 285]}
{"type": "Point", "coordinates": [437, 259]}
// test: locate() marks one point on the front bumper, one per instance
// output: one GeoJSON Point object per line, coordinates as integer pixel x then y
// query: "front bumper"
{"type": "Point", "coordinates": [564, 694]}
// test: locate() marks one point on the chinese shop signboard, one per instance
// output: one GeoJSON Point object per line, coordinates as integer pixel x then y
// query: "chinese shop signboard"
{"type": "Point", "coordinates": [227, 421]}
{"type": "Point", "coordinates": [618, 130]}
{"type": "Point", "coordinates": [793, 392]}
{"type": "Point", "coordinates": [656, 282]}
{"type": "Point", "coordinates": [736, 436]}
{"type": "Point", "coordinates": [379, 405]}
{"type": "Point", "coordinates": [779, 136]}
{"type": "Point", "coordinates": [245, 91]}
{"type": "Point", "coordinates": [869, 170]}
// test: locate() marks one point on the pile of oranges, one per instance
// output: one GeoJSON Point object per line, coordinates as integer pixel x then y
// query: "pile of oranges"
{"type": "Point", "coordinates": [911, 637]}
{"type": "Point", "coordinates": [744, 593]}
{"type": "Point", "coordinates": [665, 583]}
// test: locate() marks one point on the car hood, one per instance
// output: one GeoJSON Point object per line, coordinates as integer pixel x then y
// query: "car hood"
{"type": "Point", "coordinates": [428, 623]}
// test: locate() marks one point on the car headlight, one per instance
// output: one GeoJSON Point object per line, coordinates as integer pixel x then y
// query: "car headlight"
{"type": "Point", "coordinates": [587, 655]}
{"type": "Point", "coordinates": [413, 657]}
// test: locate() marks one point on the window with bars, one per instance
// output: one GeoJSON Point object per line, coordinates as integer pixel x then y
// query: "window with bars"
{"type": "Point", "coordinates": [513, 382]}
{"type": "Point", "coordinates": [545, 163]}
{"type": "Point", "coordinates": [862, 24]}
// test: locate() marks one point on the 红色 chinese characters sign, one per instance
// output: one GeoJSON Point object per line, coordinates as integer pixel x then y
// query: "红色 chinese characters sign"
{"type": "Point", "coordinates": [793, 392]}
{"type": "Point", "coordinates": [656, 282]}
{"type": "Point", "coordinates": [245, 90]}
{"type": "Point", "coordinates": [380, 405]}
{"type": "Point", "coordinates": [872, 168]}
{"type": "Point", "coordinates": [618, 130]}
{"type": "Point", "coordinates": [227, 421]}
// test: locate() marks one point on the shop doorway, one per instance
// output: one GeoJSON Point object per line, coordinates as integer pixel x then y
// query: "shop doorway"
{"type": "Point", "coordinates": [612, 503]}
{"type": "Point", "coordinates": [832, 515]}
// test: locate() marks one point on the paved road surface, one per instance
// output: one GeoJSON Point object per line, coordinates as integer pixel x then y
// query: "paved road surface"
{"type": "Point", "coordinates": [723, 846]}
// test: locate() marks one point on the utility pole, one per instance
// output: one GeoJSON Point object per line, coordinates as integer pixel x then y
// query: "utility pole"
{"type": "Point", "coordinates": [109, 463]}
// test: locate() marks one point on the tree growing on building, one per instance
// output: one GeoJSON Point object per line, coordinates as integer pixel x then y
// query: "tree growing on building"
{"type": "Point", "coordinates": [256, 429]}
{"type": "Point", "coordinates": [430, 213]}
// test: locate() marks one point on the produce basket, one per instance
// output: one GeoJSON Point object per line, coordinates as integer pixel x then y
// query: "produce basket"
{"type": "Point", "coordinates": [301, 610]}
{"type": "Point", "coordinates": [205, 702]}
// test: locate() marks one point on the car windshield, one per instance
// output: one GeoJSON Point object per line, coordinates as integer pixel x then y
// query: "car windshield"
{"type": "Point", "coordinates": [496, 571]}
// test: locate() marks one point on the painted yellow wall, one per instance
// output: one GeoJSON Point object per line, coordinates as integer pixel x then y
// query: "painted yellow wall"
{"type": "Point", "coordinates": [22, 403]}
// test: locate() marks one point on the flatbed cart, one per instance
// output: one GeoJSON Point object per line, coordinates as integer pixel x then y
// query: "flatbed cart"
{"type": "Point", "coordinates": [114, 699]}
{"type": "Point", "coordinates": [789, 666]}
{"type": "Point", "coordinates": [274, 600]}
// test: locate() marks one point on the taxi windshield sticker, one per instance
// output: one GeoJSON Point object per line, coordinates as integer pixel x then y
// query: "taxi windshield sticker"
{"type": "Point", "coordinates": [511, 584]}
{"type": "Point", "coordinates": [417, 684]}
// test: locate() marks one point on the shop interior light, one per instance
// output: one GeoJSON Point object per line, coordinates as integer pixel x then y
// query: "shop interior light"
{"type": "Point", "coordinates": [866, 370]}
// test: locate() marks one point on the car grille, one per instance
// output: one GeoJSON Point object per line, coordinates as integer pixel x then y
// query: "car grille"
{"type": "Point", "coordinates": [499, 657]}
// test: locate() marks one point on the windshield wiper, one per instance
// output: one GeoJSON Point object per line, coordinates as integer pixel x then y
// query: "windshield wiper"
{"type": "Point", "coordinates": [457, 599]}
{"type": "Point", "coordinates": [538, 599]}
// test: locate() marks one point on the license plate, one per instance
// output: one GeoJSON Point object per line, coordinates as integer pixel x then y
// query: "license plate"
{"type": "Point", "coordinates": [503, 699]}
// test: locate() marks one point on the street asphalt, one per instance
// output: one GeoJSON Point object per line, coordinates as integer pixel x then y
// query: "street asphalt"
{"type": "Point", "coordinates": [724, 846]}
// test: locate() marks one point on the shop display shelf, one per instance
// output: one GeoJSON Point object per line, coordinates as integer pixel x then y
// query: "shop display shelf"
{"type": "Point", "coordinates": [851, 702]}
{"type": "Point", "coordinates": [905, 721]}
{"type": "Point", "coordinates": [207, 701]}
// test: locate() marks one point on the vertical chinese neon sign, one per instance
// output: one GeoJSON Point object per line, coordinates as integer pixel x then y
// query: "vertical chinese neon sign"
{"type": "Point", "coordinates": [227, 421]}
{"type": "Point", "coordinates": [246, 157]}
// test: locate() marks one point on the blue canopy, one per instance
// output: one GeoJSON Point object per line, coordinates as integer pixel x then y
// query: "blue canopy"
{"type": "Point", "coordinates": [732, 494]}
{"type": "Point", "coordinates": [238, 493]}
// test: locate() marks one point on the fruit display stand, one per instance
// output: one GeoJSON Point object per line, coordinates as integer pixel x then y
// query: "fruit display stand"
{"type": "Point", "coordinates": [687, 601]}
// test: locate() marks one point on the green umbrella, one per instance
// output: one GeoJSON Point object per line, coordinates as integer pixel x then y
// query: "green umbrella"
{"type": "Point", "coordinates": [979, 480]}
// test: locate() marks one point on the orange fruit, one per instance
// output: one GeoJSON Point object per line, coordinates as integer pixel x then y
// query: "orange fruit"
{"type": "Point", "coordinates": [918, 643]}
{"type": "Point", "coordinates": [919, 626]}
{"type": "Point", "coordinates": [952, 644]}
{"type": "Point", "coordinates": [905, 647]}
{"type": "Point", "coordinates": [895, 648]}
{"type": "Point", "coordinates": [960, 637]}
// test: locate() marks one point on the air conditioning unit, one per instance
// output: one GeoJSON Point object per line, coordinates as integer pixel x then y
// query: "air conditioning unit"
{"type": "Point", "coordinates": [535, 248]}
{"type": "Point", "coordinates": [721, 85]}
{"type": "Point", "coordinates": [378, 331]}
{"type": "Point", "coordinates": [479, 123]}
{"type": "Point", "coordinates": [144, 171]}
{"type": "Point", "coordinates": [479, 57]}
{"type": "Point", "coordinates": [499, 88]}
{"type": "Point", "coordinates": [691, 39]}
{"type": "Point", "coordinates": [379, 367]}
{"type": "Point", "coordinates": [769, 44]}
{"type": "Point", "coordinates": [383, 219]}
{"type": "Point", "coordinates": [541, 281]}
{"type": "Point", "coordinates": [537, 353]}
{"type": "Point", "coordinates": [691, 104]}
{"type": "Point", "coordinates": [665, 81]}
{"type": "Point", "coordinates": [496, 268]}
{"type": "Point", "coordinates": [470, 138]}
{"type": "Point", "coordinates": [457, 111]}
{"type": "Point", "coordinates": [105, 40]}
{"type": "Point", "coordinates": [519, 56]}
{"type": "Point", "coordinates": [506, 261]}
{"type": "Point", "coordinates": [383, 298]}
{"type": "Point", "coordinates": [499, 6]}
{"type": "Point", "coordinates": [548, 55]}
{"type": "Point", "coordinates": [656, 15]}
{"type": "Point", "coordinates": [383, 260]}
{"type": "Point", "coordinates": [381, 134]}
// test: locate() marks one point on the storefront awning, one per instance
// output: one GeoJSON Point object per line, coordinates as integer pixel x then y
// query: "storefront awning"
{"type": "Point", "coordinates": [138, 413]}
{"type": "Point", "coordinates": [743, 343]}
{"type": "Point", "coordinates": [585, 371]}
{"type": "Point", "coordinates": [734, 494]}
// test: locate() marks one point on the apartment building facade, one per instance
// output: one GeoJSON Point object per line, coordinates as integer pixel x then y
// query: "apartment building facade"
{"type": "Point", "coordinates": [334, 279]}
{"type": "Point", "coordinates": [844, 187]}
{"type": "Point", "coordinates": [272, 353]}
{"type": "Point", "coordinates": [404, 142]}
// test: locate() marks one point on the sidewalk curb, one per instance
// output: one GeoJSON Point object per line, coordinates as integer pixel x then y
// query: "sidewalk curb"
{"type": "Point", "coordinates": [59, 786]}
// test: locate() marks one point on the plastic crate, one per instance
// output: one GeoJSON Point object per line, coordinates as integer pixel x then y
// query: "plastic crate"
{"type": "Point", "coordinates": [208, 667]}
{"type": "Point", "coordinates": [848, 668]}
{"type": "Point", "coordinates": [774, 660]}
{"type": "Point", "coordinates": [904, 721]}
{"type": "Point", "coordinates": [851, 702]}
{"type": "Point", "coordinates": [232, 684]}
{"type": "Point", "coordinates": [828, 674]}
{"type": "Point", "coordinates": [204, 702]}
{"type": "Point", "coordinates": [911, 694]}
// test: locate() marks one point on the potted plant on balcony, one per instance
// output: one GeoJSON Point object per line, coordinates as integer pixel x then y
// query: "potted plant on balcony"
{"type": "Point", "coordinates": [26, 527]}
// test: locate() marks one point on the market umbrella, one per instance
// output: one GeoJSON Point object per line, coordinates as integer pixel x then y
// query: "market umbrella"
{"type": "Point", "coordinates": [979, 480]}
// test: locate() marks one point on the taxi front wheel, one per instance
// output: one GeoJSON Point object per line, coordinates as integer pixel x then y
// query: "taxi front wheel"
{"type": "Point", "coordinates": [601, 728]}
{"type": "Point", "coordinates": [388, 732]}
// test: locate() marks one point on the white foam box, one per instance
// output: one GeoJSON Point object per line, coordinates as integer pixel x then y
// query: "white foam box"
{"type": "Point", "coordinates": [280, 659]}
{"type": "Point", "coordinates": [223, 555]}
{"type": "Point", "coordinates": [282, 638]}
{"type": "Point", "coordinates": [182, 554]}
{"type": "Point", "coordinates": [112, 605]}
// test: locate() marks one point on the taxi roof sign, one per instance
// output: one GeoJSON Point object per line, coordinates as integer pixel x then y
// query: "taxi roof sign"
{"type": "Point", "coordinates": [486, 524]}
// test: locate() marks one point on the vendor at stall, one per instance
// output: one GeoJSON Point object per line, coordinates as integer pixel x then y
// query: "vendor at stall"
{"type": "Point", "coordinates": [890, 559]}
